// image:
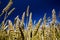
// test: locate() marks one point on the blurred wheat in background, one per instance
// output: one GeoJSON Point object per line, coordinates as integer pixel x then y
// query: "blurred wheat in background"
{"type": "Point", "coordinates": [16, 31]}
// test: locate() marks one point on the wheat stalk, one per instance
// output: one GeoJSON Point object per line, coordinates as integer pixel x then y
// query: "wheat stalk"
{"type": "Point", "coordinates": [17, 20]}
{"type": "Point", "coordinates": [10, 25]}
{"type": "Point", "coordinates": [36, 27]}
{"type": "Point", "coordinates": [11, 11]}
{"type": "Point", "coordinates": [30, 27]}
{"type": "Point", "coordinates": [27, 11]}
{"type": "Point", "coordinates": [7, 7]}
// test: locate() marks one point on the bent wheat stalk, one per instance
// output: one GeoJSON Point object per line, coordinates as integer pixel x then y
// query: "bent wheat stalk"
{"type": "Point", "coordinates": [7, 7]}
{"type": "Point", "coordinates": [11, 11]}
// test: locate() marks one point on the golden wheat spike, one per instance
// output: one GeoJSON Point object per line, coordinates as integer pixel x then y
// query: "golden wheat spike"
{"type": "Point", "coordinates": [7, 7]}
{"type": "Point", "coordinates": [22, 21]}
{"type": "Point", "coordinates": [53, 16]}
{"type": "Point", "coordinates": [36, 27]}
{"type": "Point", "coordinates": [17, 20]}
{"type": "Point", "coordinates": [52, 28]}
{"type": "Point", "coordinates": [44, 21]}
{"type": "Point", "coordinates": [23, 17]}
{"type": "Point", "coordinates": [10, 25]}
{"type": "Point", "coordinates": [53, 11]}
{"type": "Point", "coordinates": [44, 26]}
{"type": "Point", "coordinates": [30, 21]}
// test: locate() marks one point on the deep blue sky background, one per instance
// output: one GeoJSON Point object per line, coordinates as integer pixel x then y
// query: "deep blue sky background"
{"type": "Point", "coordinates": [37, 7]}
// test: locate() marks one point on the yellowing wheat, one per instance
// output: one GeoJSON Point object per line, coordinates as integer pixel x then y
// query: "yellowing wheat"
{"type": "Point", "coordinates": [17, 31]}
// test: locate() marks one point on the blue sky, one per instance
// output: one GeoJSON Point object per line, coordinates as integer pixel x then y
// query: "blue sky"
{"type": "Point", "coordinates": [37, 7]}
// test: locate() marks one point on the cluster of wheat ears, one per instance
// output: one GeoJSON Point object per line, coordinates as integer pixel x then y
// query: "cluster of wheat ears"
{"type": "Point", "coordinates": [16, 31]}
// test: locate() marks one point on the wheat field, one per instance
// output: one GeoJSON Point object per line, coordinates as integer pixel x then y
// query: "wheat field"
{"type": "Point", "coordinates": [16, 31]}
